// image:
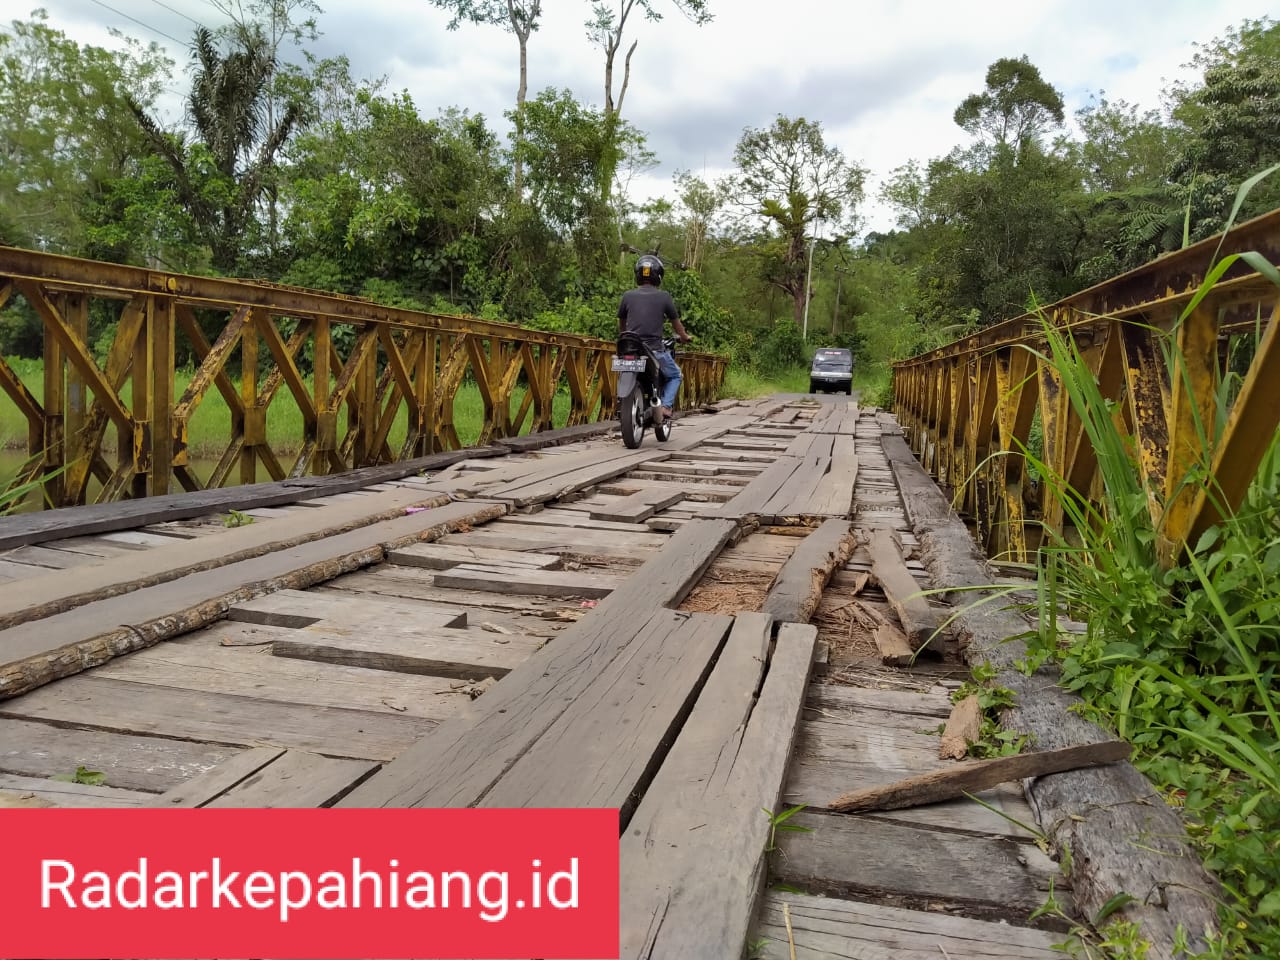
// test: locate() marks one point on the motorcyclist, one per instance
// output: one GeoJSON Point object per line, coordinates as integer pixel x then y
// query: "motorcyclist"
{"type": "Point", "coordinates": [643, 313]}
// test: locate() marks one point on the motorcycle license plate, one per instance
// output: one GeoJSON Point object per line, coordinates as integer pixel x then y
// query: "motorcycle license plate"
{"type": "Point", "coordinates": [628, 366]}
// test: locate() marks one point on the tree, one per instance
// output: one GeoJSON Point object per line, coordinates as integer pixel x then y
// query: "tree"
{"type": "Point", "coordinates": [1017, 105]}
{"type": "Point", "coordinates": [565, 147]}
{"type": "Point", "coordinates": [790, 177]}
{"type": "Point", "coordinates": [605, 29]}
{"type": "Point", "coordinates": [1122, 148]}
{"type": "Point", "coordinates": [276, 21]}
{"type": "Point", "coordinates": [66, 132]}
{"type": "Point", "coordinates": [1233, 126]}
{"type": "Point", "coordinates": [701, 201]}
{"type": "Point", "coordinates": [521, 18]}
{"type": "Point", "coordinates": [222, 176]}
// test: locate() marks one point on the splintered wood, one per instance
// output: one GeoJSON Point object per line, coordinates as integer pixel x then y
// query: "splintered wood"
{"type": "Point", "coordinates": [976, 775]}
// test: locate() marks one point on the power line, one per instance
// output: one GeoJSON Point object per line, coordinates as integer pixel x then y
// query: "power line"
{"type": "Point", "coordinates": [179, 13]}
{"type": "Point", "coordinates": [145, 26]}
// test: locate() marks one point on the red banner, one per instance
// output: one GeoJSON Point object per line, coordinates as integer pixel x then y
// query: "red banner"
{"type": "Point", "coordinates": [344, 884]}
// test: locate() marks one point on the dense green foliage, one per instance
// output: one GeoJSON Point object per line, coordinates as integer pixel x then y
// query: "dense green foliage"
{"type": "Point", "coordinates": [310, 176]}
{"type": "Point", "coordinates": [1183, 663]}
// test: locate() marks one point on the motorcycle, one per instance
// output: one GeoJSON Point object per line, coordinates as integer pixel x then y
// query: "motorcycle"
{"type": "Point", "coordinates": [639, 390]}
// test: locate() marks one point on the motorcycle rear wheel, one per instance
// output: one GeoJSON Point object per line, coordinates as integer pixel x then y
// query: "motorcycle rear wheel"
{"type": "Point", "coordinates": [632, 418]}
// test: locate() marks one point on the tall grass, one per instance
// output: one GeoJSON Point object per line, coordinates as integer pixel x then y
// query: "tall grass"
{"type": "Point", "coordinates": [1183, 662]}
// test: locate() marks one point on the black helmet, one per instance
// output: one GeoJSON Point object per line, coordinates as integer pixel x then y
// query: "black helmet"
{"type": "Point", "coordinates": [649, 270]}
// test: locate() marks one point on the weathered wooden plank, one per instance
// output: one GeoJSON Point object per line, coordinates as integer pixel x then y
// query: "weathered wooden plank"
{"type": "Point", "coordinates": [700, 491]}
{"type": "Point", "coordinates": [201, 790]}
{"type": "Point", "coordinates": [442, 556]}
{"type": "Point", "coordinates": [458, 764]}
{"type": "Point", "coordinates": [164, 564]}
{"type": "Point", "coordinates": [829, 928]}
{"type": "Point", "coordinates": [202, 662]}
{"type": "Point", "coordinates": [795, 497]}
{"type": "Point", "coordinates": [640, 506]}
{"type": "Point", "coordinates": [68, 643]}
{"type": "Point", "coordinates": [919, 620]}
{"type": "Point", "coordinates": [300, 608]}
{"type": "Point", "coordinates": [146, 764]}
{"type": "Point", "coordinates": [795, 592]}
{"type": "Point", "coordinates": [461, 654]}
{"type": "Point", "coordinates": [551, 540]}
{"type": "Point", "coordinates": [129, 514]}
{"type": "Point", "coordinates": [47, 559]}
{"type": "Point", "coordinates": [545, 583]}
{"type": "Point", "coordinates": [605, 747]}
{"type": "Point", "coordinates": [761, 489]}
{"type": "Point", "coordinates": [570, 522]}
{"type": "Point", "coordinates": [841, 700]}
{"type": "Point", "coordinates": [834, 495]}
{"type": "Point", "coordinates": [96, 703]}
{"type": "Point", "coordinates": [22, 791]}
{"type": "Point", "coordinates": [694, 856]}
{"type": "Point", "coordinates": [296, 779]}
{"type": "Point", "coordinates": [871, 856]}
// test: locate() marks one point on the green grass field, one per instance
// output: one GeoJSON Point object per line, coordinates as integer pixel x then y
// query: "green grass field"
{"type": "Point", "coordinates": [210, 426]}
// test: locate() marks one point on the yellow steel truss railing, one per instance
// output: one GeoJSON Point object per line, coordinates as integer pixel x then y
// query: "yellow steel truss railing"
{"type": "Point", "coordinates": [395, 360]}
{"type": "Point", "coordinates": [968, 406]}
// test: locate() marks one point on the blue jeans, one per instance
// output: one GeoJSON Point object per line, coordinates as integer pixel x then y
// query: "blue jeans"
{"type": "Point", "coordinates": [671, 377]}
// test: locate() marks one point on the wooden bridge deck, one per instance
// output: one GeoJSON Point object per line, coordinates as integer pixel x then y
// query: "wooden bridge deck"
{"type": "Point", "coordinates": [575, 625]}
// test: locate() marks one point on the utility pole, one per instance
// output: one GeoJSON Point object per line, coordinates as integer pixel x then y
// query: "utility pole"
{"type": "Point", "coordinates": [808, 283]}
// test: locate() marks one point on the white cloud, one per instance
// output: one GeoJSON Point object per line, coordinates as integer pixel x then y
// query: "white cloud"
{"type": "Point", "coordinates": [883, 76]}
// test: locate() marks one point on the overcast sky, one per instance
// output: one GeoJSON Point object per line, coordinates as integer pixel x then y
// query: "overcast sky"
{"type": "Point", "coordinates": [882, 77]}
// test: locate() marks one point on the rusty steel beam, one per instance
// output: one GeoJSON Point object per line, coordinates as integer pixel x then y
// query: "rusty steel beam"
{"type": "Point", "coordinates": [401, 360]}
{"type": "Point", "coordinates": [1153, 340]}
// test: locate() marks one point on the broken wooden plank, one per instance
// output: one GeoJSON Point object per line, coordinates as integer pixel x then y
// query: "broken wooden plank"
{"type": "Point", "coordinates": [694, 855]}
{"type": "Point", "coordinates": [797, 589]}
{"type": "Point", "coordinates": [918, 619]}
{"type": "Point", "coordinates": [208, 786]}
{"type": "Point", "coordinates": [460, 654]}
{"type": "Point", "coordinates": [964, 727]}
{"type": "Point", "coordinates": [460, 761]}
{"type": "Point", "coordinates": [296, 780]}
{"type": "Point", "coordinates": [68, 643]}
{"type": "Point", "coordinates": [973, 776]}
{"type": "Point", "coordinates": [442, 556]}
{"type": "Point", "coordinates": [545, 583]}
{"type": "Point", "coordinates": [892, 643]}
{"type": "Point", "coordinates": [640, 506]}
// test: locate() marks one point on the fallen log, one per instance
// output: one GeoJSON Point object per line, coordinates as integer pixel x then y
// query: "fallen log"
{"type": "Point", "coordinates": [1109, 823]}
{"type": "Point", "coordinates": [978, 775]}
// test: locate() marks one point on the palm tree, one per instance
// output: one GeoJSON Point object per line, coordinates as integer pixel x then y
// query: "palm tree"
{"type": "Point", "coordinates": [222, 174]}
